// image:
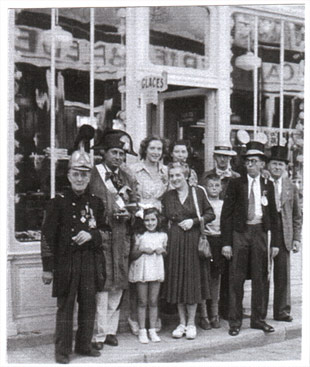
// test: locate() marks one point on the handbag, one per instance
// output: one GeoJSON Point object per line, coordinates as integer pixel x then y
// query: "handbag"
{"type": "Point", "coordinates": [204, 248]}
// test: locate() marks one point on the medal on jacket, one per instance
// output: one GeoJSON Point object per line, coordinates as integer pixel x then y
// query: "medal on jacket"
{"type": "Point", "coordinates": [264, 199]}
{"type": "Point", "coordinates": [83, 214]}
{"type": "Point", "coordinates": [92, 221]}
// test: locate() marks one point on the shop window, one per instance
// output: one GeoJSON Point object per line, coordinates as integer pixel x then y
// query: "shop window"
{"type": "Point", "coordinates": [32, 91]}
{"type": "Point", "coordinates": [179, 36]}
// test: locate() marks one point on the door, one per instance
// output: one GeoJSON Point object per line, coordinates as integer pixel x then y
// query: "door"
{"type": "Point", "coordinates": [189, 114]}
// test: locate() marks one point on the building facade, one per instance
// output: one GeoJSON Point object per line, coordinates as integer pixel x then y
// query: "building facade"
{"type": "Point", "coordinates": [203, 73]}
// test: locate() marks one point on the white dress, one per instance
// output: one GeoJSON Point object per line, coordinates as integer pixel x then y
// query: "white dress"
{"type": "Point", "coordinates": [149, 267]}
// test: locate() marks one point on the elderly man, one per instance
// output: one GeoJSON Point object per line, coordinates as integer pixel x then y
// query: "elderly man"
{"type": "Point", "coordinates": [117, 189]}
{"type": "Point", "coordinates": [73, 258]}
{"type": "Point", "coordinates": [248, 214]}
{"type": "Point", "coordinates": [222, 155]}
{"type": "Point", "coordinates": [289, 231]}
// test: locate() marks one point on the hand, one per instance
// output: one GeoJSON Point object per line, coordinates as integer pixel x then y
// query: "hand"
{"type": "Point", "coordinates": [227, 252]}
{"type": "Point", "coordinates": [186, 224]}
{"type": "Point", "coordinates": [81, 237]}
{"type": "Point", "coordinates": [265, 174]}
{"type": "Point", "coordinates": [47, 277]}
{"type": "Point", "coordinates": [159, 250]}
{"type": "Point", "coordinates": [296, 246]}
{"type": "Point", "coordinates": [274, 251]}
{"type": "Point", "coordinates": [147, 250]}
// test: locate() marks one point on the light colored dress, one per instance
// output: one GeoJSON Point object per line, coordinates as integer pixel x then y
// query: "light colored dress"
{"type": "Point", "coordinates": [149, 267]}
{"type": "Point", "coordinates": [150, 187]}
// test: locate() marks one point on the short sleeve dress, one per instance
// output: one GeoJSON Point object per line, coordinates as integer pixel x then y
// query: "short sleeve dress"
{"type": "Point", "coordinates": [149, 267]}
{"type": "Point", "coordinates": [187, 276]}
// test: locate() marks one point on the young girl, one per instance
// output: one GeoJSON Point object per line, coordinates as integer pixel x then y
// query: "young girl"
{"type": "Point", "coordinates": [147, 271]}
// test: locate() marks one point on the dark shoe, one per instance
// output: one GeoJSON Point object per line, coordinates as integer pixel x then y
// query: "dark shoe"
{"type": "Point", "coordinates": [261, 325]}
{"type": "Point", "coordinates": [204, 323]}
{"type": "Point", "coordinates": [287, 318]}
{"type": "Point", "coordinates": [233, 331]}
{"type": "Point", "coordinates": [111, 340]}
{"type": "Point", "coordinates": [97, 346]}
{"type": "Point", "coordinates": [90, 353]}
{"type": "Point", "coordinates": [215, 322]}
{"type": "Point", "coordinates": [62, 358]}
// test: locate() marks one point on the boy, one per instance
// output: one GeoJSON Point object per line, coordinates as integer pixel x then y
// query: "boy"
{"type": "Point", "coordinates": [214, 188]}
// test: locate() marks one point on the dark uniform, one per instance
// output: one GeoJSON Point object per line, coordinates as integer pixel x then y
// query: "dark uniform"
{"type": "Point", "coordinates": [78, 270]}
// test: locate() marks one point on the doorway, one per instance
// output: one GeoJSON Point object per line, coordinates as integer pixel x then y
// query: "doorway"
{"type": "Point", "coordinates": [189, 114]}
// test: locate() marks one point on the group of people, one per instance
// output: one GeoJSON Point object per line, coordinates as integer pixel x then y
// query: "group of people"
{"type": "Point", "coordinates": [138, 227]}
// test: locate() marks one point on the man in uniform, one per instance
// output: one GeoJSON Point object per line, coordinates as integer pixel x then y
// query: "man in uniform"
{"type": "Point", "coordinates": [248, 214]}
{"type": "Point", "coordinates": [73, 258]}
{"type": "Point", "coordinates": [117, 189]}
{"type": "Point", "coordinates": [222, 155]}
{"type": "Point", "coordinates": [289, 231]}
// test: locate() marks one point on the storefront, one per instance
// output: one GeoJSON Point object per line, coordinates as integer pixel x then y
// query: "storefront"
{"type": "Point", "coordinates": [169, 71]}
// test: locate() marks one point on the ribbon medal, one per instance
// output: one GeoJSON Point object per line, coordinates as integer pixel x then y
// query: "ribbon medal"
{"type": "Point", "coordinates": [92, 221]}
{"type": "Point", "coordinates": [83, 214]}
{"type": "Point", "coordinates": [264, 199]}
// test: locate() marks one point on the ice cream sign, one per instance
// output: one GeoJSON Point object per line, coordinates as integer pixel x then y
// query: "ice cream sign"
{"type": "Point", "coordinates": [150, 85]}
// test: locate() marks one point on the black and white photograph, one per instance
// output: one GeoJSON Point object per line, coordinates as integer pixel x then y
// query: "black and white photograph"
{"type": "Point", "coordinates": [127, 125]}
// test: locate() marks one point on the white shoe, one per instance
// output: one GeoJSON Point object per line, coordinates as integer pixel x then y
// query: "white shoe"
{"type": "Point", "coordinates": [179, 331]}
{"type": "Point", "coordinates": [191, 332]}
{"type": "Point", "coordinates": [134, 326]}
{"type": "Point", "coordinates": [153, 336]}
{"type": "Point", "coordinates": [143, 336]}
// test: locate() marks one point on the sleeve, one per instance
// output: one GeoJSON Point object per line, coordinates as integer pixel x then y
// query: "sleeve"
{"type": "Point", "coordinates": [297, 216]}
{"type": "Point", "coordinates": [96, 234]}
{"type": "Point", "coordinates": [226, 221]}
{"type": "Point", "coordinates": [273, 215]}
{"type": "Point", "coordinates": [49, 234]}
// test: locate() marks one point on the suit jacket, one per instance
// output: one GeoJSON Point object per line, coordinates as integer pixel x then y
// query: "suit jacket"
{"type": "Point", "coordinates": [66, 215]}
{"type": "Point", "coordinates": [290, 213]}
{"type": "Point", "coordinates": [235, 210]}
{"type": "Point", "coordinates": [117, 243]}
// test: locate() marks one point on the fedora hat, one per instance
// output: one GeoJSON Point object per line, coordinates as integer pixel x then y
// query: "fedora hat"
{"type": "Point", "coordinates": [255, 148]}
{"type": "Point", "coordinates": [279, 153]}
{"type": "Point", "coordinates": [115, 139]}
{"type": "Point", "coordinates": [224, 149]}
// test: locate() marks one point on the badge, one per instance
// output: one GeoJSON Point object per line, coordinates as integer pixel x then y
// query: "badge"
{"type": "Point", "coordinates": [264, 199]}
{"type": "Point", "coordinates": [92, 223]}
{"type": "Point", "coordinates": [83, 219]}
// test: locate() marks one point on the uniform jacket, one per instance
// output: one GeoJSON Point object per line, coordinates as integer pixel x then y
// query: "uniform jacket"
{"type": "Point", "coordinates": [290, 213]}
{"type": "Point", "coordinates": [224, 181]}
{"type": "Point", "coordinates": [117, 242]}
{"type": "Point", "coordinates": [235, 209]}
{"type": "Point", "coordinates": [66, 215]}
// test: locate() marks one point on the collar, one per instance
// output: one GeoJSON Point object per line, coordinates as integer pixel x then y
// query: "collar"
{"type": "Point", "coordinates": [224, 173]}
{"type": "Point", "coordinates": [250, 179]}
{"type": "Point", "coordinates": [108, 169]}
{"type": "Point", "coordinates": [274, 180]}
{"type": "Point", "coordinates": [141, 166]}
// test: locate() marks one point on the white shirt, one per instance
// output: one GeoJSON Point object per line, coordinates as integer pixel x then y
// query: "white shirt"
{"type": "Point", "coordinates": [257, 195]}
{"type": "Point", "coordinates": [279, 184]}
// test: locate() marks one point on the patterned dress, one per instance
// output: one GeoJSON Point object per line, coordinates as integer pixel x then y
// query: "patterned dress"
{"type": "Point", "coordinates": [187, 276]}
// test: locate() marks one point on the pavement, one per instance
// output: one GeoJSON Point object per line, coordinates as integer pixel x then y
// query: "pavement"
{"type": "Point", "coordinates": [36, 349]}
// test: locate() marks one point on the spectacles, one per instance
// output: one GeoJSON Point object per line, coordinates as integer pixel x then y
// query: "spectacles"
{"type": "Point", "coordinates": [251, 161]}
{"type": "Point", "coordinates": [77, 174]}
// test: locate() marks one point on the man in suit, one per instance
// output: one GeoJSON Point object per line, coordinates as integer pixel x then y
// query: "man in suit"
{"type": "Point", "coordinates": [222, 154]}
{"type": "Point", "coordinates": [248, 214]}
{"type": "Point", "coordinates": [72, 257]}
{"type": "Point", "coordinates": [289, 231]}
{"type": "Point", "coordinates": [117, 189]}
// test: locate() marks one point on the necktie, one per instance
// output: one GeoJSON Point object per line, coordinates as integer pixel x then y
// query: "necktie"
{"type": "Point", "coordinates": [251, 207]}
{"type": "Point", "coordinates": [277, 195]}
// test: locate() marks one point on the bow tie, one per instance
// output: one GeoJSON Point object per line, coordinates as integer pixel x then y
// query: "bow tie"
{"type": "Point", "coordinates": [115, 178]}
{"type": "Point", "coordinates": [222, 174]}
{"type": "Point", "coordinates": [110, 175]}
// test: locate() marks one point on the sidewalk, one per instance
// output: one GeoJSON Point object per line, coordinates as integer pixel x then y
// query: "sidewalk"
{"type": "Point", "coordinates": [40, 349]}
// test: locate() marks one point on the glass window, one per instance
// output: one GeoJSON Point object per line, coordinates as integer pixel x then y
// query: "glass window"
{"type": "Point", "coordinates": [179, 36]}
{"type": "Point", "coordinates": [72, 90]}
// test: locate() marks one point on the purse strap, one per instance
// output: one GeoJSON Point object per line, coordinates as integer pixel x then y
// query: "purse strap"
{"type": "Point", "coordinates": [201, 221]}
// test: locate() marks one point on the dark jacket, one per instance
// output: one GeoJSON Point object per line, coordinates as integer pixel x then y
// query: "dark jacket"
{"type": "Point", "coordinates": [66, 215]}
{"type": "Point", "coordinates": [235, 210]}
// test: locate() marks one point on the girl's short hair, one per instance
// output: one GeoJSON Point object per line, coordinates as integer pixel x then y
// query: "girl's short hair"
{"type": "Point", "coordinates": [146, 142]}
{"type": "Point", "coordinates": [186, 143]}
{"type": "Point", "coordinates": [183, 166]}
{"type": "Point", "coordinates": [140, 228]}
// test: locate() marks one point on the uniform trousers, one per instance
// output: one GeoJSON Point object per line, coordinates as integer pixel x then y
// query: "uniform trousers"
{"type": "Point", "coordinates": [281, 278]}
{"type": "Point", "coordinates": [249, 250]}
{"type": "Point", "coordinates": [107, 314]}
{"type": "Point", "coordinates": [82, 286]}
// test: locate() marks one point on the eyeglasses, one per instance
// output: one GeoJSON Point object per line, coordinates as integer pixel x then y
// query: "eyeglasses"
{"type": "Point", "coordinates": [251, 161]}
{"type": "Point", "coordinates": [78, 174]}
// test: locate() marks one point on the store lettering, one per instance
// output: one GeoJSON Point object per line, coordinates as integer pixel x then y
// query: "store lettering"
{"type": "Point", "coordinates": [75, 48]}
{"type": "Point", "coordinates": [26, 40]}
{"type": "Point", "coordinates": [272, 72]}
{"type": "Point", "coordinates": [152, 82]}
